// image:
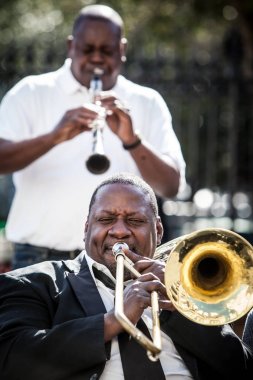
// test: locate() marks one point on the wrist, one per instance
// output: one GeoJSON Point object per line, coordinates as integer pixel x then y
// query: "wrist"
{"type": "Point", "coordinates": [132, 145]}
{"type": "Point", "coordinates": [112, 327]}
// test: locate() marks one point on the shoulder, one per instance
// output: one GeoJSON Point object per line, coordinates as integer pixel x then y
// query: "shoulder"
{"type": "Point", "coordinates": [51, 270]}
{"type": "Point", "coordinates": [31, 89]}
{"type": "Point", "coordinates": [32, 84]}
{"type": "Point", "coordinates": [137, 90]}
{"type": "Point", "coordinates": [249, 323]}
{"type": "Point", "coordinates": [34, 81]}
{"type": "Point", "coordinates": [41, 273]}
{"type": "Point", "coordinates": [250, 315]}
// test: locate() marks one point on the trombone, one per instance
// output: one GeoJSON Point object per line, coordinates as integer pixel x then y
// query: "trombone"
{"type": "Point", "coordinates": [208, 278]}
{"type": "Point", "coordinates": [98, 162]}
{"type": "Point", "coordinates": [153, 347]}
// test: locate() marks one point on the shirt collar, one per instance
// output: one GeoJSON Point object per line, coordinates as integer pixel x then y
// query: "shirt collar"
{"type": "Point", "coordinates": [103, 268]}
{"type": "Point", "coordinates": [70, 85]}
{"type": "Point", "coordinates": [67, 80]}
{"type": "Point", "coordinates": [99, 266]}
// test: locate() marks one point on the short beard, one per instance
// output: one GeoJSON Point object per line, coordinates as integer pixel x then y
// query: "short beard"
{"type": "Point", "coordinates": [127, 274]}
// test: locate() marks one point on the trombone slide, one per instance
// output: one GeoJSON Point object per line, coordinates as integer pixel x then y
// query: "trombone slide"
{"type": "Point", "coordinates": [153, 347]}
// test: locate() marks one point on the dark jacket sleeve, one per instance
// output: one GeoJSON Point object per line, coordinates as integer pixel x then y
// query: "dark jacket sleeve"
{"type": "Point", "coordinates": [218, 352]}
{"type": "Point", "coordinates": [248, 330]}
{"type": "Point", "coordinates": [32, 345]}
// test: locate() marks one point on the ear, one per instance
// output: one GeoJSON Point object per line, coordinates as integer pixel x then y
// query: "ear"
{"type": "Point", "coordinates": [159, 230]}
{"type": "Point", "coordinates": [123, 48]}
{"type": "Point", "coordinates": [70, 40]}
{"type": "Point", "coordinates": [85, 229]}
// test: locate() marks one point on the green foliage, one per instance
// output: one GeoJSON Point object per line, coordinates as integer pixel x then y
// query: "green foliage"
{"type": "Point", "coordinates": [150, 25]}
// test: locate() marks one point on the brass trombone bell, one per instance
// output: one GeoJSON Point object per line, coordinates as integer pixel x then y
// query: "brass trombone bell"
{"type": "Point", "coordinates": [208, 278]}
{"type": "Point", "coordinates": [209, 275]}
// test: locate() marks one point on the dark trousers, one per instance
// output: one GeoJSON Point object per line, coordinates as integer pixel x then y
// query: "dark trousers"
{"type": "Point", "coordinates": [27, 254]}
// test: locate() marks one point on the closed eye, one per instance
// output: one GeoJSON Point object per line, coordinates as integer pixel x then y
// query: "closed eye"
{"type": "Point", "coordinates": [136, 221]}
{"type": "Point", "coordinates": [106, 220]}
{"type": "Point", "coordinates": [91, 50]}
{"type": "Point", "coordinates": [108, 52]}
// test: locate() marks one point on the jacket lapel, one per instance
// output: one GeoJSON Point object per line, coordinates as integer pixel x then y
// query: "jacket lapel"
{"type": "Point", "coordinates": [85, 289]}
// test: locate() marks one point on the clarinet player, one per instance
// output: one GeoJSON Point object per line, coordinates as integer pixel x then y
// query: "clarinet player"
{"type": "Point", "coordinates": [46, 138]}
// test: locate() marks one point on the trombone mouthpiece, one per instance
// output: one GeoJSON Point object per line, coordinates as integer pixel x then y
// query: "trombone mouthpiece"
{"type": "Point", "coordinates": [118, 247]}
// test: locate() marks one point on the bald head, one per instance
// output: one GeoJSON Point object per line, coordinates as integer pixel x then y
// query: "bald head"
{"type": "Point", "coordinates": [98, 12]}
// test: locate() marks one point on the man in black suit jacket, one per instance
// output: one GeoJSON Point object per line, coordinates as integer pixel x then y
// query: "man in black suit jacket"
{"type": "Point", "coordinates": [57, 319]}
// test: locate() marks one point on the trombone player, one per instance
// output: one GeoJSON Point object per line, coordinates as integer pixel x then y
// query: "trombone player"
{"type": "Point", "coordinates": [57, 318]}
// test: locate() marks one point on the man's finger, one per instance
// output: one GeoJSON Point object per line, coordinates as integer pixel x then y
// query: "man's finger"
{"type": "Point", "coordinates": [133, 256]}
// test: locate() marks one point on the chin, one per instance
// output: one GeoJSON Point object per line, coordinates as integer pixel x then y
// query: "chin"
{"type": "Point", "coordinates": [127, 273]}
{"type": "Point", "coordinates": [83, 78]}
{"type": "Point", "coordinates": [112, 269]}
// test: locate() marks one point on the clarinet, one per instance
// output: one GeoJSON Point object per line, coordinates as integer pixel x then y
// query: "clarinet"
{"type": "Point", "coordinates": [98, 162]}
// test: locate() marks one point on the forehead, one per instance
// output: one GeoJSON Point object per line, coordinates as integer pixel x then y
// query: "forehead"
{"type": "Point", "coordinates": [123, 198]}
{"type": "Point", "coordinates": [94, 28]}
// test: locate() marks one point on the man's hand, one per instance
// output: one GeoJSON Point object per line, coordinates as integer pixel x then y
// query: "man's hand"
{"type": "Point", "coordinates": [146, 265]}
{"type": "Point", "coordinates": [74, 122]}
{"type": "Point", "coordinates": [118, 117]}
{"type": "Point", "coordinates": [137, 296]}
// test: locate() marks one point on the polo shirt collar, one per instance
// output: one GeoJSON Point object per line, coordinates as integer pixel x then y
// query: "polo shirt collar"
{"type": "Point", "coordinates": [71, 86]}
{"type": "Point", "coordinates": [67, 81]}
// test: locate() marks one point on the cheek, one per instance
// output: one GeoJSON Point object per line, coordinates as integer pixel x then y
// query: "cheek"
{"type": "Point", "coordinates": [78, 61]}
{"type": "Point", "coordinates": [150, 243]}
{"type": "Point", "coordinates": [95, 235]}
{"type": "Point", "coordinates": [115, 62]}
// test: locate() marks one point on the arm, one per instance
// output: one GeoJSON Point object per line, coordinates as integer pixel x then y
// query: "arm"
{"type": "Point", "coordinates": [248, 330]}
{"type": "Point", "coordinates": [137, 296]}
{"type": "Point", "coordinates": [218, 347]}
{"type": "Point", "coordinates": [136, 299]}
{"type": "Point", "coordinates": [39, 335]}
{"type": "Point", "coordinates": [155, 167]}
{"type": "Point", "coordinates": [160, 175]}
{"type": "Point", "coordinates": [32, 345]}
{"type": "Point", "coordinates": [17, 155]}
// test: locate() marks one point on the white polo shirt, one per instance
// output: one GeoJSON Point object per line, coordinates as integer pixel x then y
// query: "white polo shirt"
{"type": "Point", "coordinates": [52, 194]}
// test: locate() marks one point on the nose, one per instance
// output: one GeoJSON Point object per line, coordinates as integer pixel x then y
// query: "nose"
{"type": "Point", "coordinates": [119, 230]}
{"type": "Point", "coordinates": [97, 56]}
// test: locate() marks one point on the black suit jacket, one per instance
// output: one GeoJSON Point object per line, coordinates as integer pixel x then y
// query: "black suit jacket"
{"type": "Point", "coordinates": [52, 327]}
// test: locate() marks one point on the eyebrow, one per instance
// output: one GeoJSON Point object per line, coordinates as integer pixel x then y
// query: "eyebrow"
{"type": "Point", "coordinates": [128, 213]}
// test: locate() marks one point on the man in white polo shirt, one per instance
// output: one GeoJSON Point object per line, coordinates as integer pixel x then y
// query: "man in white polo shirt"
{"type": "Point", "coordinates": [45, 139]}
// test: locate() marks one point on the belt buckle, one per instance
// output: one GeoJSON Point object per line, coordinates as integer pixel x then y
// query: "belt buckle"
{"type": "Point", "coordinates": [72, 255]}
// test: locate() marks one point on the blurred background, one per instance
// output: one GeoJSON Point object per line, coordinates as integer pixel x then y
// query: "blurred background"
{"type": "Point", "coordinates": [199, 56]}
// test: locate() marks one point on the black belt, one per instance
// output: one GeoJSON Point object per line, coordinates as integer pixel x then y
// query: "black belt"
{"type": "Point", "coordinates": [48, 253]}
{"type": "Point", "coordinates": [68, 254]}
